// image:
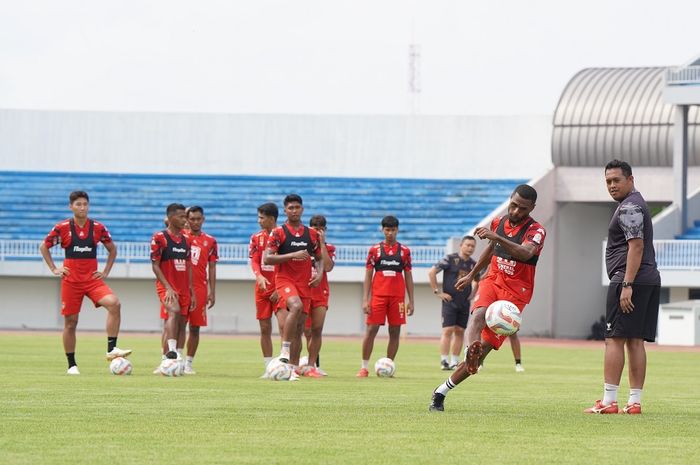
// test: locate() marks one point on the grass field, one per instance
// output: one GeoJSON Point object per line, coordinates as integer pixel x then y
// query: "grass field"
{"type": "Point", "coordinates": [224, 414]}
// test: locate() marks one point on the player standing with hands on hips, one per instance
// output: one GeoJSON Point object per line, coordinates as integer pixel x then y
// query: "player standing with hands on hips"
{"type": "Point", "coordinates": [516, 241]}
{"type": "Point", "coordinates": [633, 294]}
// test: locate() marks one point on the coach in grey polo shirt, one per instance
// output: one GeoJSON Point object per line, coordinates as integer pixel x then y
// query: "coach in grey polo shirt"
{"type": "Point", "coordinates": [633, 295]}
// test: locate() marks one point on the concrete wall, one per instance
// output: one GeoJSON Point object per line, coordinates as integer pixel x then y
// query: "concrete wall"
{"type": "Point", "coordinates": [289, 145]}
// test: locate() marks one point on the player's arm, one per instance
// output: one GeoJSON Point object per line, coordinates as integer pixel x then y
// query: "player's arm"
{"type": "Point", "coordinates": [408, 277]}
{"type": "Point", "coordinates": [482, 263]}
{"type": "Point", "coordinates": [320, 265]}
{"type": "Point", "coordinates": [211, 298]}
{"type": "Point", "coordinates": [432, 278]}
{"type": "Point", "coordinates": [521, 252]}
{"type": "Point", "coordinates": [193, 296]}
{"type": "Point", "coordinates": [46, 254]}
{"type": "Point", "coordinates": [255, 259]}
{"type": "Point", "coordinates": [170, 294]}
{"type": "Point", "coordinates": [366, 287]}
{"type": "Point", "coordinates": [328, 263]}
{"type": "Point", "coordinates": [273, 258]}
{"type": "Point", "coordinates": [635, 250]}
{"type": "Point", "coordinates": [111, 257]}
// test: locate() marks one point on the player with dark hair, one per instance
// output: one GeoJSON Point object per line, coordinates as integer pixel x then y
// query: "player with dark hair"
{"type": "Point", "coordinates": [266, 297]}
{"type": "Point", "coordinates": [455, 304]}
{"type": "Point", "coordinates": [515, 244]}
{"type": "Point", "coordinates": [313, 329]}
{"type": "Point", "coordinates": [388, 279]}
{"type": "Point", "coordinates": [290, 249]}
{"type": "Point", "coordinates": [204, 253]}
{"type": "Point", "coordinates": [633, 293]}
{"type": "Point", "coordinates": [79, 237]}
{"type": "Point", "coordinates": [170, 261]}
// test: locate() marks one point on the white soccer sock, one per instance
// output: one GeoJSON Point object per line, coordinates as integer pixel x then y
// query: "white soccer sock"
{"type": "Point", "coordinates": [445, 387]}
{"type": "Point", "coordinates": [266, 360]}
{"type": "Point", "coordinates": [443, 357]}
{"type": "Point", "coordinates": [455, 360]}
{"type": "Point", "coordinates": [172, 343]}
{"type": "Point", "coordinates": [190, 358]}
{"type": "Point", "coordinates": [609, 393]}
{"type": "Point", "coordinates": [179, 352]}
{"type": "Point", "coordinates": [635, 396]}
{"type": "Point", "coordinates": [285, 348]}
{"type": "Point", "coordinates": [365, 364]}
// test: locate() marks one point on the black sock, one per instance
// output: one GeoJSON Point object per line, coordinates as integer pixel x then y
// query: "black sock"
{"type": "Point", "coordinates": [71, 359]}
{"type": "Point", "coordinates": [111, 343]}
{"type": "Point", "coordinates": [517, 361]}
{"type": "Point", "coordinates": [318, 361]}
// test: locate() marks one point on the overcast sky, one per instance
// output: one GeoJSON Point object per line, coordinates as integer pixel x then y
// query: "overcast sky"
{"type": "Point", "coordinates": [325, 56]}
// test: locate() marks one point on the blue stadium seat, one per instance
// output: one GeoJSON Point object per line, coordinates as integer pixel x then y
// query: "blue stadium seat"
{"type": "Point", "coordinates": [133, 205]}
{"type": "Point", "coordinates": [692, 233]}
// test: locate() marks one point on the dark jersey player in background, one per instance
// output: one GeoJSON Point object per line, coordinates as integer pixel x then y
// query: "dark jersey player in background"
{"type": "Point", "coordinates": [516, 241]}
{"type": "Point", "coordinates": [79, 237]}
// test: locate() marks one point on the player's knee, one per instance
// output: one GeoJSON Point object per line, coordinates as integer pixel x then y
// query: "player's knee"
{"type": "Point", "coordinates": [71, 322]}
{"type": "Point", "coordinates": [394, 331]}
{"type": "Point", "coordinates": [194, 330]}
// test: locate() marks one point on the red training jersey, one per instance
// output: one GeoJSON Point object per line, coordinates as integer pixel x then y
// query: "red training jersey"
{"type": "Point", "coordinates": [323, 286]}
{"type": "Point", "coordinates": [258, 244]}
{"type": "Point", "coordinates": [80, 269]}
{"type": "Point", "coordinates": [297, 271]}
{"type": "Point", "coordinates": [173, 253]}
{"type": "Point", "coordinates": [389, 282]}
{"type": "Point", "coordinates": [517, 277]}
{"type": "Point", "coordinates": [203, 251]}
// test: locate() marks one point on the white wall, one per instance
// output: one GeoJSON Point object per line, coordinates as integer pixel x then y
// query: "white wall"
{"type": "Point", "coordinates": [292, 145]}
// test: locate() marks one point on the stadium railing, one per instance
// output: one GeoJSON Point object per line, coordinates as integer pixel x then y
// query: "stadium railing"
{"type": "Point", "coordinates": [234, 254]}
{"type": "Point", "coordinates": [683, 75]}
{"type": "Point", "coordinates": [674, 254]}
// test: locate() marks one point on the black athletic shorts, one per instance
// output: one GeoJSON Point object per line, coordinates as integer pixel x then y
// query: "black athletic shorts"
{"type": "Point", "coordinates": [641, 322]}
{"type": "Point", "coordinates": [454, 315]}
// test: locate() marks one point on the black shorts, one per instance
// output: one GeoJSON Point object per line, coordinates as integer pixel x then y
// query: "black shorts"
{"type": "Point", "coordinates": [641, 322]}
{"type": "Point", "coordinates": [454, 315]}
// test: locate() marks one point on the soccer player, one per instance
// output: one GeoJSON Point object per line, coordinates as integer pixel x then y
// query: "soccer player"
{"type": "Point", "coordinates": [204, 253]}
{"type": "Point", "coordinates": [266, 297]}
{"type": "Point", "coordinates": [633, 293]}
{"type": "Point", "coordinates": [79, 237]}
{"type": "Point", "coordinates": [319, 300]}
{"type": "Point", "coordinates": [388, 278]}
{"type": "Point", "coordinates": [290, 249]}
{"type": "Point", "coordinates": [516, 241]}
{"type": "Point", "coordinates": [455, 304]}
{"type": "Point", "coordinates": [170, 261]}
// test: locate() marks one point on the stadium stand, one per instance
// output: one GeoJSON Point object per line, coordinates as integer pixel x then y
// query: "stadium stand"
{"type": "Point", "coordinates": [692, 233]}
{"type": "Point", "coordinates": [133, 205]}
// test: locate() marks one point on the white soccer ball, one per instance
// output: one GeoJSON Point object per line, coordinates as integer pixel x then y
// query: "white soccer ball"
{"type": "Point", "coordinates": [120, 366]}
{"type": "Point", "coordinates": [278, 371]}
{"type": "Point", "coordinates": [503, 317]}
{"type": "Point", "coordinates": [385, 367]}
{"type": "Point", "coordinates": [171, 367]}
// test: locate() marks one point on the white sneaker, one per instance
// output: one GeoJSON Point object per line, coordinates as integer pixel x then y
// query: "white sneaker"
{"type": "Point", "coordinates": [294, 377]}
{"type": "Point", "coordinates": [73, 370]}
{"type": "Point", "coordinates": [321, 372]}
{"type": "Point", "coordinates": [189, 370]}
{"type": "Point", "coordinates": [117, 352]}
{"type": "Point", "coordinates": [284, 356]}
{"type": "Point", "coordinates": [519, 368]}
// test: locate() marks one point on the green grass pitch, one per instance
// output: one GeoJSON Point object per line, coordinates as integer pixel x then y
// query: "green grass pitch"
{"type": "Point", "coordinates": [225, 414]}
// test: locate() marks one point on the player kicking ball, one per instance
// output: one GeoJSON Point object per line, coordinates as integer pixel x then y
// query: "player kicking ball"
{"type": "Point", "coordinates": [516, 241]}
{"type": "Point", "coordinates": [79, 236]}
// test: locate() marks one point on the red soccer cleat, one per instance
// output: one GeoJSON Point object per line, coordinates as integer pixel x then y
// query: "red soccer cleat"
{"type": "Point", "coordinates": [601, 408]}
{"type": "Point", "coordinates": [312, 372]}
{"type": "Point", "coordinates": [632, 409]}
{"type": "Point", "coordinates": [473, 357]}
{"type": "Point", "coordinates": [363, 373]}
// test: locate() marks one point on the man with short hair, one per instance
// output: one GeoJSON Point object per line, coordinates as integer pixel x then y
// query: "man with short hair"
{"type": "Point", "coordinates": [290, 249]}
{"type": "Point", "coordinates": [455, 304]}
{"type": "Point", "coordinates": [319, 301]}
{"type": "Point", "coordinates": [516, 242]}
{"type": "Point", "coordinates": [204, 253]}
{"type": "Point", "coordinates": [266, 297]}
{"type": "Point", "coordinates": [388, 279]}
{"type": "Point", "coordinates": [170, 261]}
{"type": "Point", "coordinates": [79, 237]}
{"type": "Point", "coordinates": [633, 294]}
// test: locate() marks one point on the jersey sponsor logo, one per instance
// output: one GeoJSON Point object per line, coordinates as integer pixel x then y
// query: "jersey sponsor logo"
{"type": "Point", "coordinates": [389, 262]}
{"type": "Point", "coordinates": [298, 244]}
{"type": "Point", "coordinates": [506, 266]}
{"type": "Point", "coordinates": [196, 253]}
{"type": "Point", "coordinates": [537, 239]}
{"type": "Point", "coordinates": [388, 273]}
{"type": "Point", "coordinates": [180, 264]}
{"type": "Point", "coordinates": [82, 249]}
{"type": "Point", "coordinates": [179, 250]}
